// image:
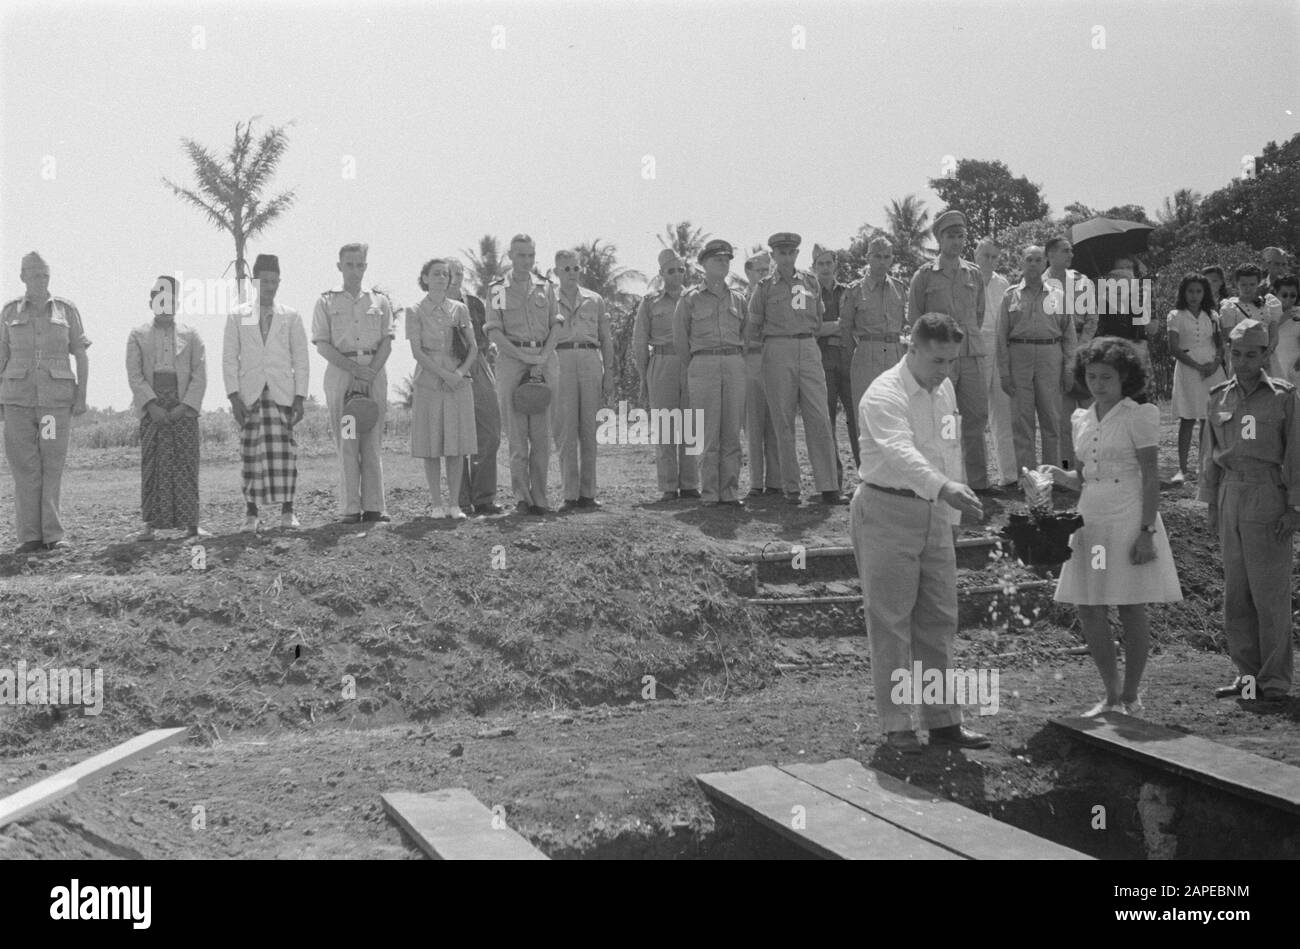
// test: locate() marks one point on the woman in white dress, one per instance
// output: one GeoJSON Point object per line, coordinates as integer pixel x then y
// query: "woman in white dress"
{"type": "Point", "coordinates": [1120, 556]}
{"type": "Point", "coordinates": [442, 419]}
{"type": "Point", "coordinates": [1193, 339]}
{"type": "Point", "coordinates": [1287, 354]}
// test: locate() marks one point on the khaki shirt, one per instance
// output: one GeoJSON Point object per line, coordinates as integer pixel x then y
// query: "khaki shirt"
{"type": "Point", "coordinates": [525, 311]}
{"type": "Point", "coordinates": [1033, 314]}
{"type": "Point", "coordinates": [781, 307]}
{"type": "Point", "coordinates": [654, 321]}
{"type": "Point", "coordinates": [961, 296]}
{"type": "Point", "coordinates": [873, 307]}
{"type": "Point", "coordinates": [706, 320]}
{"type": "Point", "coordinates": [352, 324]}
{"type": "Point", "coordinates": [1275, 408]}
{"type": "Point", "coordinates": [582, 318]}
{"type": "Point", "coordinates": [35, 343]}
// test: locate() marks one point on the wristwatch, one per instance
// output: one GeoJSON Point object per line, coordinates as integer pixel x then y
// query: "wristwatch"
{"type": "Point", "coordinates": [1148, 528]}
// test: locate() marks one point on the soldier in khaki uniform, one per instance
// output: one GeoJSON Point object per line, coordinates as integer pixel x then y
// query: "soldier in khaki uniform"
{"type": "Point", "coordinates": [524, 322]}
{"type": "Point", "coordinates": [786, 309]}
{"type": "Point", "coordinates": [353, 330]}
{"type": "Point", "coordinates": [586, 356]}
{"type": "Point", "coordinates": [39, 394]}
{"type": "Point", "coordinates": [764, 462]}
{"type": "Point", "coordinates": [1250, 475]}
{"type": "Point", "coordinates": [835, 359]}
{"type": "Point", "coordinates": [663, 378]}
{"type": "Point", "coordinates": [708, 334]}
{"type": "Point", "coordinates": [872, 318]}
{"type": "Point", "coordinates": [951, 285]}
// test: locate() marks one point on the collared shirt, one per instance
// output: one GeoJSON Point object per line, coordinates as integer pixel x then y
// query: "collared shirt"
{"type": "Point", "coordinates": [1232, 311]}
{"type": "Point", "coordinates": [352, 324]}
{"type": "Point", "coordinates": [653, 325]}
{"type": "Point", "coordinates": [164, 346]}
{"type": "Point", "coordinates": [1034, 314]}
{"type": "Point", "coordinates": [910, 438]}
{"type": "Point", "coordinates": [961, 296]}
{"type": "Point", "coordinates": [1275, 409]}
{"type": "Point", "coordinates": [707, 319]}
{"type": "Point", "coordinates": [831, 297]}
{"type": "Point", "coordinates": [786, 307]}
{"type": "Point", "coordinates": [873, 306]}
{"type": "Point", "coordinates": [582, 317]}
{"type": "Point", "coordinates": [523, 310]}
{"type": "Point", "coordinates": [994, 291]}
{"type": "Point", "coordinates": [35, 343]}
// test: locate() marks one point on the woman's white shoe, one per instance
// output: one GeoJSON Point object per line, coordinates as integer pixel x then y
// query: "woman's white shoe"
{"type": "Point", "coordinates": [1101, 708]}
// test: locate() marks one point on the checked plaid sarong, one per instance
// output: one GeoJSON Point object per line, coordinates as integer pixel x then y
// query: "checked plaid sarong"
{"type": "Point", "coordinates": [269, 452]}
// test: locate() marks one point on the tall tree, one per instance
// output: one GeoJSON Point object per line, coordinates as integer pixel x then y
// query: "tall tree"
{"type": "Point", "coordinates": [1128, 212]}
{"type": "Point", "coordinates": [487, 264]}
{"type": "Point", "coordinates": [908, 227]}
{"type": "Point", "coordinates": [1261, 209]}
{"type": "Point", "coordinates": [229, 192]}
{"type": "Point", "coordinates": [990, 196]}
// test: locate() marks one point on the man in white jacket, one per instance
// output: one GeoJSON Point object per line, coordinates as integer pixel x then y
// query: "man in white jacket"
{"type": "Point", "coordinates": [265, 366]}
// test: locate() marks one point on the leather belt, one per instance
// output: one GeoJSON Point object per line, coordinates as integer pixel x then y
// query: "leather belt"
{"type": "Point", "coordinates": [1054, 341]}
{"type": "Point", "coordinates": [526, 343]}
{"type": "Point", "coordinates": [876, 337]}
{"type": "Point", "coordinates": [787, 336]}
{"type": "Point", "coordinates": [359, 352]}
{"type": "Point", "coordinates": [901, 492]}
{"type": "Point", "coordinates": [663, 349]}
{"type": "Point", "coordinates": [720, 351]}
{"type": "Point", "coordinates": [576, 346]}
{"type": "Point", "coordinates": [754, 348]}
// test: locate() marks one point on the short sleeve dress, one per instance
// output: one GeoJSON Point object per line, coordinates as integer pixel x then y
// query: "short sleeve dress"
{"type": "Point", "coordinates": [1100, 571]}
{"type": "Point", "coordinates": [1196, 336]}
{"type": "Point", "coordinates": [442, 420]}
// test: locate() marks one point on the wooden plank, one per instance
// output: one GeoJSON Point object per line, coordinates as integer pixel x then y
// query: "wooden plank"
{"type": "Point", "coordinates": [1198, 759]}
{"type": "Point", "coordinates": [832, 828]}
{"type": "Point", "coordinates": [72, 779]}
{"type": "Point", "coordinates": [928, 815]}
{"type": "Point", "coordinates": [452, 824]}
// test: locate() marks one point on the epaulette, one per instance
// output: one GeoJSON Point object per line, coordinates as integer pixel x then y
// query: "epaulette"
{"type": "Point", "coordinates": [1285, 385]}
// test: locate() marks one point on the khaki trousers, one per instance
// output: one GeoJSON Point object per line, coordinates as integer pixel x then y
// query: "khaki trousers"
{"type": "Point", "coordinates": [1036, 374]}
{"type": "Point", "coordinates": [764, 462]}
{"type": "Point", "coordinates": [908, 568]}
{"type": "Point", "coordinates": [668, 389]}
{"type": "Point", "coordinates": [717, 388]}
{"type": "Point", "coordinates": [577, 400]}
{"type": "Point", "coordinates": [795, 381]}
{"type": "Point", "coordinates": [37, 467]}
{"type": "Point", "coordinates": [361, 469]}
{"type": "Point", "coordinates": [529, 435]}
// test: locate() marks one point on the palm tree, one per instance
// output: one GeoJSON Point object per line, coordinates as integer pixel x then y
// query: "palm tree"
{"type": "Point", "coordinates": [601, 272]}
{"type": "Point", "coordinates": [230, 192]}
{"type": "Point", "coordinates": [488, 263]}
{"type": "Point", "coordinates": [1180, 210]}
{"type": "Point", "coordinates": [686, 242]}
{"type": "Point", "coordinates": [909, 230]}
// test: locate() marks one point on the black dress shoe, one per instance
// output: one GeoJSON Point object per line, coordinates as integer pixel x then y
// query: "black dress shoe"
{"type": "Point", "coordinates": [737, 503]}
{"type": "Point", "coordinates": [488, 509]}
{"type": "Point", "coordinates": [523, 507]}
{"type": "Point", "coordinates": [350, 519]}
{"type": "Point", "coordinates": [374, 517]}
{"type": "Point", "coordinates": [538, 511]}
{"type": "Point", "coordinates": [833, 497]}
{"type": "Point", "coordinates": [589, 504]}
{"type": "Point", "coordinates": [771, 491]}
{"type": "Point", "coordinates": [30, 547]}
{"type": "Point", "coordinates": [689, 493]}
{"type": "Point", "coordinates": [1228, 691]}
{"type": "Point", "coordinates": [569, 506]}
{"type": "Point", "coordinates": [667, 496]}
{"type": "Point", "coordinates": [958, 735]}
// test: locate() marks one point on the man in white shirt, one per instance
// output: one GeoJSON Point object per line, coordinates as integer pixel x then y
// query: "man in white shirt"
{"type": "Point", "coordinates": [905, 517]}
{"type": "Point", "coordinates": [265, 368]}
{"type": "Point", "coordinates": [995, 288]}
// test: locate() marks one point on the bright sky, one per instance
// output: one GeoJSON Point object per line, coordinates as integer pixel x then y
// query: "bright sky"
{"type": "Point", "coordinates": [756, 117]}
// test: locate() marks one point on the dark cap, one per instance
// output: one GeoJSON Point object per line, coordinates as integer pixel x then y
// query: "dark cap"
{"type": "Point", "coordinates": [265, 263]}
{"type": "Point", "coordinates": [783, 239]}
{"type": "Point", "coordinates": [947, 219]}
{"type": "Point", "coordinates": [716, 248]}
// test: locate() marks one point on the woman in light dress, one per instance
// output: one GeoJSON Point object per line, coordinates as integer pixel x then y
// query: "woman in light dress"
{"type": "Point", "coordinates": [1287, 354]}
{"type": "Point", "coordinates": [1120, 556]}
{"type": "Point", "coordinates": [442, 420]}
{"type": "Point", "coordinates": [1193, 332]}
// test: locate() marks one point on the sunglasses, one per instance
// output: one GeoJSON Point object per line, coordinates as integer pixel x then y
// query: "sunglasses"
{"type": "Point", "coordinates": [675, 270]}
{"type": "Point", "coordinates": [569, 269]}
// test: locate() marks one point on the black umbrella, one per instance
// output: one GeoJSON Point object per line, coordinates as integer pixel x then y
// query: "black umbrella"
{"type": "Point", "coordinates": [1099, 241]}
